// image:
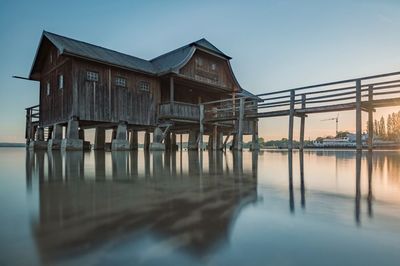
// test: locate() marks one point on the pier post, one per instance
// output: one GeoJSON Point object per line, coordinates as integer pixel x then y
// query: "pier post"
{"type": "Point", "coordinates": [72, 141]}
{"type": "Point", "coordinates": [215, 138]}
{"type": "Point", "coordinates": [121, 143]}
{"type": "Point", "coordinates": [238, 144]}
{"type": "Point", "coordinates": [201, 110]}
{"type": "Point", "coordinates": [56, 136]}
{"type": "Point", "coordinates": [302, 121]}
{"type": "Point", "coordinates": [174, 147]}
{"type": "Point", "coordinates": [291, 120]}
{"type": "Point", "coordinates": [210, 142]}
{"type": "Point", "coordinates": [358, 115]}
{"type": "Point", "coordinates": [134, 140]}
{"type": "Point", "coordinates": [254, 139]}
{"type": "Point", "coordinates": [99, 138]}
{"type": "Point", "coordinates": [86, 144]}
{"type": "Point", "coordinates": [167, 141]}
{"type": "Point", "coordinates": [192, 143]}
{"type": "Point", "coordinates": [370, 117]}
{"type": "Point", "coordinates": [146, 145]}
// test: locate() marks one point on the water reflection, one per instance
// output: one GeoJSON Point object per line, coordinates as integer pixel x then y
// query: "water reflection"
{"type": "Point", "coordinates": [188, 207]}
{"type": "Point", "coordinates": [188, 202]}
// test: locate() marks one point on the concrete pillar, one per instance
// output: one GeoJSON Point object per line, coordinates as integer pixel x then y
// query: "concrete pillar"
{"type": "Point", "coordinates": [55, 142]}
{"type": "Point", "coordinates": [120, 143]}
{"type": "Point", "coordinates": [99, 138]}
{"type": "Point", "coordinates": [72, 141]}
{"type": "Point", "coordinates": [40, 134]}
{"type": "Point", "coordinates": [146, 140]}
{"type": "Point", "coordinates": [38, 143]}
{"type": "Point", "coordinates": [134, 140]}
{"type": "Point", "coordinates": [157, 144]}
{"type": "Point", "coordinates": [192, 143]}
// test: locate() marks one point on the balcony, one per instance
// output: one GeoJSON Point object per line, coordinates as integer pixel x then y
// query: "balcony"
{"type": "Point", "coordinates": [179, 110]}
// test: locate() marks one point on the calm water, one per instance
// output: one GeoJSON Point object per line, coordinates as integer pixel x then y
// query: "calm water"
{"type": "Point", "coordinates": [137, 208]}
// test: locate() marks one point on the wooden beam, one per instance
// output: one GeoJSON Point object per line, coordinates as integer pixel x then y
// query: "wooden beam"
{"type": "Point", "coordinates": [291, 120]}
{"type": "Point", "coordinates": [370, 117]}
{"type": "Point", "coordinates": [358, 115]}
{"type": "Point", "coordinates": [201, 110]}
{"type": "Point", "coordinates": [171, 92]}
{"type": "Point", "coordinates": [239, 135]}
{"type": "Point", "coordinates": [302, 122]}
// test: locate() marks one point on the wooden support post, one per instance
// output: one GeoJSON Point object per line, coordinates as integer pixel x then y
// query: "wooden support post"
{"type": "Point", "coordinates": [201, 110]}
{"type": "Point", "coordinates": [358, 116]}
{"type": "Point", "coordinates": [171, 93]}
{"type": "Point", "coordinates": [239, 130]}
{"type": "Point", "coordinates": [99, 138]}
{"type": "Point", "coordinates": [173, 142]}
{"type": "Point", "coordinates": [370, 117]}
{"type": "Point", "coordinates": [215, 138]}
{"type": "Point", "coordinates": [134, 140]}
{"type": "Point", "coordinates": [146, 140]}
{"type": "Point", "coordinates": [291, 120]}
{"type": "Point", "coordinates": [302, 121]}
{"type": "Point", "coordinates": [180, 140]}
{"type": "Point", "coordinates": [254, 140]}
{"type": "Point", "coordinates": [167, 140]}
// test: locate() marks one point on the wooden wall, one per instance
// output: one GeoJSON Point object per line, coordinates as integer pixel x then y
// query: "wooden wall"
{"type": "Point", "coordinates": [55, 107]}
{"type": "Point", "coordinates": [199, 68]}
{"type": "Point", "coordinates": [104, 101]}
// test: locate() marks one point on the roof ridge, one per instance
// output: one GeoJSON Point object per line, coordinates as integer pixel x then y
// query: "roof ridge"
{"type": "Point", "coordinates": [98, 46]}
{"type": "Point", "coordinates": [170, 52]}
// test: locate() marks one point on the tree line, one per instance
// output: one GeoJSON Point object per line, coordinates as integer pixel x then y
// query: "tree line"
{"type": "Point", "coordinates": [388, 129]}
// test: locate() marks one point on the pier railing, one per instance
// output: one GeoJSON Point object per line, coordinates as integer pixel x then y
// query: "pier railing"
{"type": "Point", "coordinates": [360, 94]}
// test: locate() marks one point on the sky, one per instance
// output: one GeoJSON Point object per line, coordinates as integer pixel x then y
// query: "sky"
{"type": "Point", "coordinates": [275, 45]}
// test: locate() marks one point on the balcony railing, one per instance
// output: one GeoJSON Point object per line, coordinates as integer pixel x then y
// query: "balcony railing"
{"type": "Point", "coordinates": [179, 110]}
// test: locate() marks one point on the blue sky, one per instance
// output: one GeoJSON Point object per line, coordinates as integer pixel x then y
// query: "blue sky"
{"type": "Point", "coordinates": [274, 44]}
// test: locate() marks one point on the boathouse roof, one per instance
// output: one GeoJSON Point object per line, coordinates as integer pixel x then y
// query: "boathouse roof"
{"type": "Point", "coordinates": [163, 64]}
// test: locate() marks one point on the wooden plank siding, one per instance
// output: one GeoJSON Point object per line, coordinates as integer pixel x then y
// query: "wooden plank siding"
{"type": "Point", "coordinates": [199, 68]}
{"type": "Point", "coordinates": [56, 107]}
{"type": "Point", "coordinates": [104, 101]}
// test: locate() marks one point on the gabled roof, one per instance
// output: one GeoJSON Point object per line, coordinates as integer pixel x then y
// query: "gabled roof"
{"type": "Point", "coordinates": [82, 49]}
{"type": "Point", "coordinates": [163, 64]}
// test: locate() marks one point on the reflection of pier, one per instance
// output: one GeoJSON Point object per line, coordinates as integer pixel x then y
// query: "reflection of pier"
{"type": "Point", "coordinates": [359, 156]}
{"type": "Point", "coordinates": [84, 205]}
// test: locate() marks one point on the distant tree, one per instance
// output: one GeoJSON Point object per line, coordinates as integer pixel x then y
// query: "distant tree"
{"type": "Point", "coordinates": [342, 134]}
{"type": "Point", "coordinates": [261, 140]}
{"type": "Point", "coordinates": [382, 128]}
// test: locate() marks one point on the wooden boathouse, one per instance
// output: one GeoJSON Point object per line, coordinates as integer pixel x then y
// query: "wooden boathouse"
{"type": "Point", "coordinates": [85, 86]}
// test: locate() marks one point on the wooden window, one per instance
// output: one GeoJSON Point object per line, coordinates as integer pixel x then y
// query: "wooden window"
{"type": "Point", "coordinates": [120, 81]}
{"type": "Point", "coordinates": [92, 76]}
{"type": "Point", "coordinates": [48, 88]}
{"type": "Point", "coordinates": [213, 67]}
{"type": "Point", "coordinates": [144, 86]}
{"type": "Point", "coordinates": [199, 62]}
{"type": "Point", "coordinates": [61, 82]}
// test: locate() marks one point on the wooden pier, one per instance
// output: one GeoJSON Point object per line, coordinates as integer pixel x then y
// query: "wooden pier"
{"type": "Point", "coordinates": [358, 94]}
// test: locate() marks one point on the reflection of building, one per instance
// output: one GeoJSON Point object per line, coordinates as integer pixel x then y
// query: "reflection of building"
{"type": "Point", "coordinates": [191, 210]}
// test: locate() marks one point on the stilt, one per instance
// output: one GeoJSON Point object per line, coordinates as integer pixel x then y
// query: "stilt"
{"type": "Point", "coordinates": [120, 143]}
{"type": "Point", "coordinates": [55, 142]}
{"type": "Point", "coordinates": [210, 142]}
{"type": "Point", "coordinates": [157, 144]}
{"type": "Point", "coordinates": [358, 116]}
{"type": "Point", "coordinates": [99, 138]}
{"type": "Point", "coordinates": [167, 141]}
{"type": "Point", "coordinates": [238, 144]}
{"type": "Point", "coordinates": [302, 122]}
{"type": "Point", "coordinates": [192, 143]}
{"type": "Point", "coordinates": [181, 142]}
{"type": "Point", "coordinates": [291, 120]}
{"type": "Point", "coordinates": [72, 141]}
{"type": "Point", "coordinates": [134, 140]}
{"type": "Point", "coordinates": [255, 146]}
{"type": "Point", "coordinates": [370, 118]}
{"type": "Point", "coordinates": [174, 147]}
{"type": "Point", "coordinates": [201, 110]}
{"type": "Point", "coordinates": [86, 144]}
{"type": "Point", "coordinates": [146, 145]}
{"type": "Point", "coordinates": [215, 138]}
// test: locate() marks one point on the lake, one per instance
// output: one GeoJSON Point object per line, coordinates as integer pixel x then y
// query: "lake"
{"type": "Point", "coordinates": [189, 208]}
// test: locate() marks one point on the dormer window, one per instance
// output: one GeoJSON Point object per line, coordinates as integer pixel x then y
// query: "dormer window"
{"type": "Point", "coordinates": [120, 81]}
{"type": "Point", "coordinates": [92, 76]}
{"type": "Point", "coordinates": [144, 86]}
